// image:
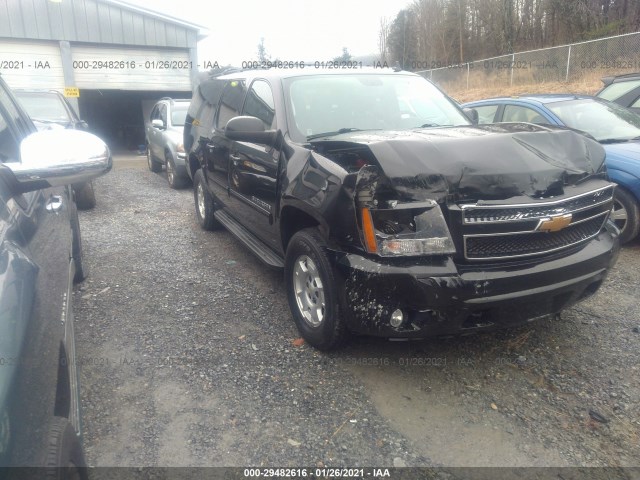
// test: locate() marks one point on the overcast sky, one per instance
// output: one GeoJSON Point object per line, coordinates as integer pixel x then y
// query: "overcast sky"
{"type": "Point", "coordinates": [293, 30]}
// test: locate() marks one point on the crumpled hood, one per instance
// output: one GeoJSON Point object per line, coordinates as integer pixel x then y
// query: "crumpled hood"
{"type": "Point", "coordinates": [480, 162]}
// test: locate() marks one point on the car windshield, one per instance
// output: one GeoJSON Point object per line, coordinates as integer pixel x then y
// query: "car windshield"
{"type": "Point", "coordinates": [605, 121]}
{"type": "Point", "coordinates": [616, 90]}
{"type": "Point", "coordinates": [179, 114]}
{"type": "Point", "coordinates": [44, 106]}
{"type": "Point", "coordinates": [321, 105]}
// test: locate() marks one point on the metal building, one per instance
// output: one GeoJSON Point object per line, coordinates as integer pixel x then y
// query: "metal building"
{"type": "Point", "coordinates": [112, 59]}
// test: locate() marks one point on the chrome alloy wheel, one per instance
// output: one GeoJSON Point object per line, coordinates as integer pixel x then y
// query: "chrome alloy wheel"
{"type": "Point", "coordinates": [200, 194]}
{"type": "Point", "coordinates": [149, 160]}
{"type": "Point", "coordinates": [309, 291]}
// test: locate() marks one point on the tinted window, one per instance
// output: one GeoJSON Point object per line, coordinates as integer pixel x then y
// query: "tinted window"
{"type": "Point", "coordinates": [486, 113]}
{"type": "Point", "coordinates": [515, 113]}
{"type": "Point", "coordinates": [260, 104]}
{"type": "Point", "coordinates": [163, 114]}
{"type": "Point", "coordinates": [230, 102]}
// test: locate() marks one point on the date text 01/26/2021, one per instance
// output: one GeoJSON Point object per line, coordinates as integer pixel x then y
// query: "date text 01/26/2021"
{"type": "Point", "coordinates": [318, 472]}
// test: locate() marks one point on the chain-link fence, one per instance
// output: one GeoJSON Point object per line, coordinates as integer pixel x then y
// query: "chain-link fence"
{"type": "Point", "coordinates": [566, 63]}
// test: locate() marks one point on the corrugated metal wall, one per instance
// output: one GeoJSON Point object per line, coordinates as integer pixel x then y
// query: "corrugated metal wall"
{"type": "Point", "coordinates": [90, 21]}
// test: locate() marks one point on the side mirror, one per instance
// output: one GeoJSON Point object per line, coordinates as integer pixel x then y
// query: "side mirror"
{"type": "Point", "coordinates": [472, 114]}
{"type": "Point", "coordinates": [52, 158]}
{"type": "Point", "coordinates": [157, 123]}
{"type": "Point", "coordinates": [250, 129]}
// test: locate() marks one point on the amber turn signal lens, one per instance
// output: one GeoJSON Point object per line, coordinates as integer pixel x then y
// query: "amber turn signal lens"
{"type": "Point", "coordinates": [369, 232]}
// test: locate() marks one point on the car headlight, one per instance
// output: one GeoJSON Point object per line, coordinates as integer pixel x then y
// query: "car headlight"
{"type": "Point", "coordinates": [406, 229]}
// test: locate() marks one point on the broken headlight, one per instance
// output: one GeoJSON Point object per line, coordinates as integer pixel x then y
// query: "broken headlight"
{"type": "Point", "coordinates": [407, 229]}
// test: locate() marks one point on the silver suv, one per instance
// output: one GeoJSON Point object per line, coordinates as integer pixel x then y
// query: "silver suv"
{"type": "Point", "coordinates": [164, 140]}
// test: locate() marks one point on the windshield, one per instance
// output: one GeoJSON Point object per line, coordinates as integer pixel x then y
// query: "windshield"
{"type": "Point", "coordinates": [179, 114]}
{"type": "Point", "coordinates": [44, 106]}
{"type": "Point", "coordinates": [326, 104]}
{"type": "Point", "coordinates": [616, 90]}
{"type": "Point", "coordinates": [605, 121]}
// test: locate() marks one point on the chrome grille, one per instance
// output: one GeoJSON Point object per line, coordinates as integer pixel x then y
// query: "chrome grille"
{"type": "Point", "coordinates": [500, 213]}
{"type": "Point", "coordinates": [511, 231]}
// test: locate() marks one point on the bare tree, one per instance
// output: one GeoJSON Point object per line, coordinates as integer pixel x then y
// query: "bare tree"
{"type": "Point", "coordinates": [383, 35]}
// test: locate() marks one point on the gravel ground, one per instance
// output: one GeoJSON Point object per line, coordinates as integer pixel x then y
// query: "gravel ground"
{"type": "Point", "coordinates": [188, 357]}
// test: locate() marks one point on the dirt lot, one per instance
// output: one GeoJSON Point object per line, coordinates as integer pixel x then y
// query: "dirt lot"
{"type": "Point", "coordinates": [187, 358]}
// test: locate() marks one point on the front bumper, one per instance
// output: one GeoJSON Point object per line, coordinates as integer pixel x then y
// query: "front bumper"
{"type": "Point", "coordinates": [443, 298]}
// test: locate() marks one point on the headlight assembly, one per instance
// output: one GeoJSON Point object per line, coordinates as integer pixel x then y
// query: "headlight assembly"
{"type": "Point", "coordinates": [406, 229]}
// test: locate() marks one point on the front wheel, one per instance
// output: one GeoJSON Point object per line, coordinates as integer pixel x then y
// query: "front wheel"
{"type": "Point", "coordinates": [625, 214]}
{"type": "Point", "coordinates": [312, 291]}
{"type": "Point", "coordinates": [204, 203]}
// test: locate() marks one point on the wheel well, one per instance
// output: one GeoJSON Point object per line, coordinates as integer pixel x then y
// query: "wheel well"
{"type": "Point", "coordinates": [194, 165]}
{"type": "Point", "coordinates": [293, 220]}
{"type": "Point", "coordinates": [63, 389]}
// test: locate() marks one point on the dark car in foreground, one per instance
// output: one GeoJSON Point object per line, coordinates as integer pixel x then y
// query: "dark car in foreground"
{"type": "Point", "coordinates": [616, 128]}
{"type": "Point", "coordinates": [40, 257]}
{"type": "Point", "coordinates": [623, 90]}
{"type": "Point", "coordinates": [49, 109]}
{"type": "Point", "coordinates": [164, 140]}
{"type": "Point", "coordinates": [390, 213]}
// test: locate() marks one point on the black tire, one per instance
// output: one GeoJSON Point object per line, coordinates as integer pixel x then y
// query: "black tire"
{"type": "Point", "coordinates": [625, 214]}
{"type": "Point", "coordinates": [312, 292]}
{"type": "Point", "coordinates": [204, 203]}
{"type": "Point", "coordinates": [173, 179]}
{"type": "Point", "coordinates": [64, 457]}
{"type": "Point", "coordinates": [85, 196]}
{"type": "Point", "coordinates": [82, 271]}
{"type": "Point", "coordinates": [152, 163]}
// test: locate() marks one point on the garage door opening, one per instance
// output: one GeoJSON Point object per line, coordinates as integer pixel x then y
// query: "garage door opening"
{"type": "Point", "coordinates": [119, 116]}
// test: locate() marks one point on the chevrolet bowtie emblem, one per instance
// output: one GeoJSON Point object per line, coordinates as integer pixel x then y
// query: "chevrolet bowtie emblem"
{"type": "Point", "coordinates": [554, 224]}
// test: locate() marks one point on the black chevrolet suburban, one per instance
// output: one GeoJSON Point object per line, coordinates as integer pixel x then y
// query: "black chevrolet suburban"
{"type": "Point", "coordinates": [390, 212]}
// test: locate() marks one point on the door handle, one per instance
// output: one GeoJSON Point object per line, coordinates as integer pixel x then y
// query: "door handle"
{"type": "Point", "coordinates": [54, 204]}
{"type": "Point", "coordinates": [235, 157]}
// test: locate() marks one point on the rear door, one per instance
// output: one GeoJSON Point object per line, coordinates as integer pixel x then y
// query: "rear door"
{"type": "Point", "coordinates": [217, 147]}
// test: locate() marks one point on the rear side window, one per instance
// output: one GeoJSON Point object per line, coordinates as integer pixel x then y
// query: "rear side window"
{"type": "Point", "coordinates": [486, 113]}
{"type": "Point", "coordinates": [260, 104]}
{"type": "Point", "coordinates": [230, 102]}
{"type": "Point", "coordinates": [515, 113]}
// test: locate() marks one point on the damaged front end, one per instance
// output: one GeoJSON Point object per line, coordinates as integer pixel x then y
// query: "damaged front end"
{"type": "Point", "coordinates": [466, 229]}
{"type": "Point", "coordinates": [391, 228]}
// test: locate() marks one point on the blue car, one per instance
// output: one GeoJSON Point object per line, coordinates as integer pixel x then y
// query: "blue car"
{"type": "Point", "coordinates": [615, 127]}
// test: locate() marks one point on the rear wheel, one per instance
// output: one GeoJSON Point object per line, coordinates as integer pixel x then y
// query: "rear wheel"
{"type": "Point", "coordinates": [152, 163]}
{"type": "Point", "coordinates": [204, 203]}
{"type": "Point", "coordinates": [64, 456]}
{"type": "Point", "coordinates": [625, 214]}
{"type": "Point", "coordinates": [312, 292]}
